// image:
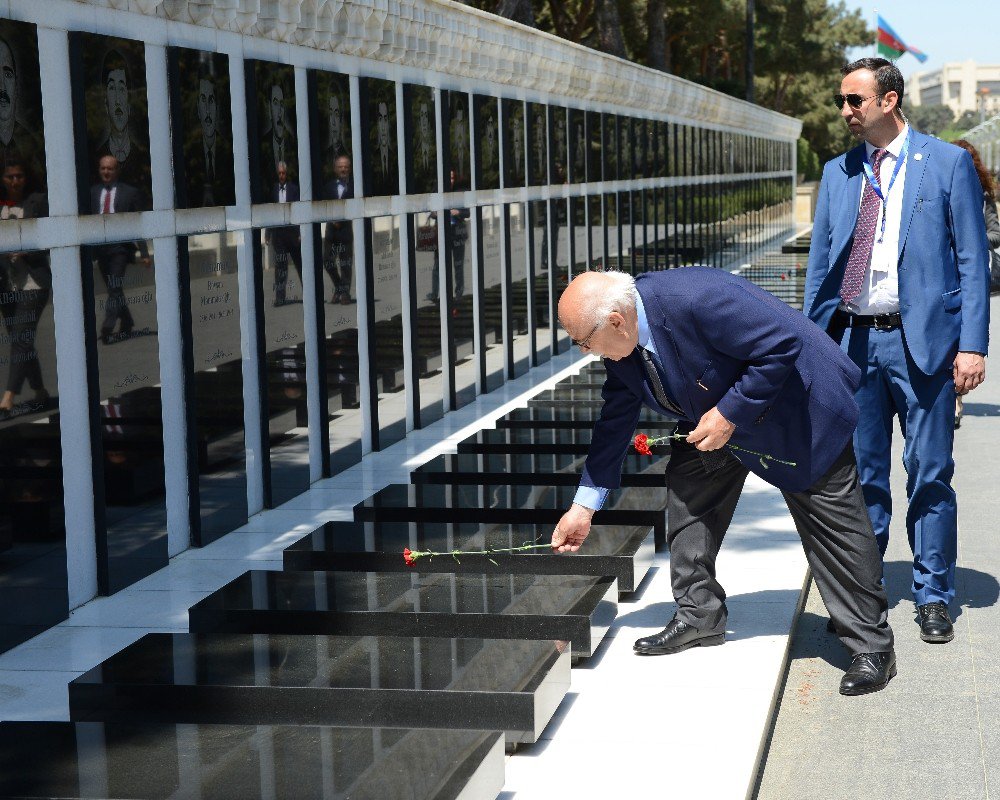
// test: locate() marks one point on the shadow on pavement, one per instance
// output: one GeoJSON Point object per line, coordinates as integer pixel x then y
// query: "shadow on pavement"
{"type": "Point", "coordinates": [973, 589]}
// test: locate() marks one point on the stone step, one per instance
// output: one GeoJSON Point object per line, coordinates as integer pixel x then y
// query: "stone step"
{"type": "Point", "coordinates": [532, 469]}
{"type": "Point", "coordinates": [624, 552]}
{"type": "Point", "coordinates": [575, 416]}
{"type": "Point", "coordinates": [217, 762]}
{"type": "Point", "coordinates": [491, 605]}
{"type": "Point", "coordinates": [363, 681]}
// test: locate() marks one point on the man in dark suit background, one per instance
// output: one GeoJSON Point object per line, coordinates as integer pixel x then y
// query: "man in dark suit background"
{"type": "Point", "coordinates": [735, 366]}
{"type": "Point", "coordinates": [899, 268]}
{"type": "Point", "coordinates": [338, 239]}
{"type": "Point", "coordinates": [111, 196]}
{"type": "Point", "coordinates": [286, 239]}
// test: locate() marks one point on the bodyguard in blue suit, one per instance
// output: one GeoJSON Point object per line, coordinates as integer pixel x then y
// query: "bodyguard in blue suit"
{"type": "Point", "coordinates": [899, 263]}
{"type": "Point", "coordinates": [735, 366]}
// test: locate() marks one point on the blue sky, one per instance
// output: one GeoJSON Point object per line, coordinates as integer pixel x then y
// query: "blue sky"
{"type": "Point", "coordinates": [953, 31]}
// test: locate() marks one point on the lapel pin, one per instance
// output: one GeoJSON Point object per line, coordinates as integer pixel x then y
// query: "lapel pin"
{"type": "Point", "coordinates": [918, 156]}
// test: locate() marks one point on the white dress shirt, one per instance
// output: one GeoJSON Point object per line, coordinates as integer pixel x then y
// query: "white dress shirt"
{"type": "Point", "coordinates": [880, 288]}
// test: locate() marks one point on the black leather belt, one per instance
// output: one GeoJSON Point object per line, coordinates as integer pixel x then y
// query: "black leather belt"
{"type": "Point", "coordinates": [880, 322]}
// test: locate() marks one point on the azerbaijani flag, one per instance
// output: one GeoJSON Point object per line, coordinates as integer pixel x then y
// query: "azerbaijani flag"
{"type": "Point", "coordinates": [891, 46]}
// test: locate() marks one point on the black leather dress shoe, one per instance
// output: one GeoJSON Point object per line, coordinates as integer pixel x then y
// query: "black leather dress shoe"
{"type": "Point", "coordinates": [869, 672]}
{"type": "Point", "coordinates": [935, 624]}
{"type": "Point", "coordinates": [677, 636]}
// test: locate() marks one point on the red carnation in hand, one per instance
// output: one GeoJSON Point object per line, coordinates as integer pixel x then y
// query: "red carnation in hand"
{"type": "Point", "coordinates": [408, 557]}
{"type": "Point", "coordinates": [641, 445]}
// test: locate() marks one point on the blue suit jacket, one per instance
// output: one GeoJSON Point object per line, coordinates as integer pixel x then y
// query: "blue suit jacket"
{"type": "Point", "coordinates": [722, 341]}
{"type": "Point", "coordinates": [944, 264]}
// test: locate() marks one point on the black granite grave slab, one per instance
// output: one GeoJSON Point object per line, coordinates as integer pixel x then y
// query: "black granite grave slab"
{"type": "Point", "coordinates": [526, 505]}
{"type": "Point", "coordinates": [491, 604]}
{"type": "Point", "coordinates": [251, 762]}
{"type": "Point", "coordinates": [531, 469]}
{"type": "Point", "coordinates": [365, 681]}
{"type": "Point", "coordinates": [576, 416]}
{"type": "Point", "coordinates": [622, 551]}
{"type": "Point", "coordinates": [565, 441]}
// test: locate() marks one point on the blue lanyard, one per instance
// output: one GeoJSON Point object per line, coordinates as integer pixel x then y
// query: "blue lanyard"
{"type": "Point", "coordinates": [873, 181]}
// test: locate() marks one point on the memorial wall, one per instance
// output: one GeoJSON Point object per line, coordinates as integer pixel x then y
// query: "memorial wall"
{"type": "Point", "coordinates": [241, 248]}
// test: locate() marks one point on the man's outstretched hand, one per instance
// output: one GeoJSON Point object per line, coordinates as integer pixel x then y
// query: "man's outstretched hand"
{"type": "Point", "coordinates": [572, 529]}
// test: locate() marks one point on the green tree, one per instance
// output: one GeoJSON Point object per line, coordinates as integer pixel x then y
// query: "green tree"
{"type": "Point", "coordinates": [930, 119]}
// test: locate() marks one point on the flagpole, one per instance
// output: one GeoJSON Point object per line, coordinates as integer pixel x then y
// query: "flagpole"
{"type": "Point", "coordinates": [875, 12]}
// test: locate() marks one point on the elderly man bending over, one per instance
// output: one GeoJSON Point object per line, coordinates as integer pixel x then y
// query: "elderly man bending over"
{"type": "Point", "coordinates": [734, 365]}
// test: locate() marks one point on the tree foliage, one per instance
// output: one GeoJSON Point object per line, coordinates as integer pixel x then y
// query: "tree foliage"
{"type": "Point", "coordinates": [799, 47]}
{"type": "Point", "coordinates": [930, 119]}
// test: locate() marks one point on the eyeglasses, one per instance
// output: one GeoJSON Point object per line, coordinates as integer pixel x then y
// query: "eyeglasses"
{"type": "Point", "coordinates": [585, 342]}
{"type": "Point", "coordinates": [855, 101]}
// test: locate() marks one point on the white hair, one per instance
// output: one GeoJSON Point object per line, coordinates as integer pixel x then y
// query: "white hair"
{"type": "Point", "coordinates": [617, 293]}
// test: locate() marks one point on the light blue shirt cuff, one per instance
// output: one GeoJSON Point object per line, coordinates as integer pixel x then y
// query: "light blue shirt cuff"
{"type": "Point", "coordinates": [591, 497]}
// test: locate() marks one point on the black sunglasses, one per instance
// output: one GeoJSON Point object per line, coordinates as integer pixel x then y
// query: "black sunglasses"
{"type": "Point", "coordinates": [855, 101]}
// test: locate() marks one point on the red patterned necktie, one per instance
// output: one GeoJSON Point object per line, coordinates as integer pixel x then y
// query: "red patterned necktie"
{"type": "Point", "coordinates": [106, 208]}
{"type": "Point", "coordinates": [864, 235]}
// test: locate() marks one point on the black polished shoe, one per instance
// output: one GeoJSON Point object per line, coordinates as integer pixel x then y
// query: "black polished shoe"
{"type": "Point", "coordinates": [869, 672]}
{"type": "Point", "coordinates": [677, 636]}
{"type": "Point", "coordinates": [935, 624]}
{"type": "Point", "coordinates": [830, 627]}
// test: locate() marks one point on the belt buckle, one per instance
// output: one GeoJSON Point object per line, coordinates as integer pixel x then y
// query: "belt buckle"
{"type": "Point", "coordinates": [883, 322]}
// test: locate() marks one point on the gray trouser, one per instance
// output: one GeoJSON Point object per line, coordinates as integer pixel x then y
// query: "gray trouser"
{"type": "Point", "coordinates": [830, 517]}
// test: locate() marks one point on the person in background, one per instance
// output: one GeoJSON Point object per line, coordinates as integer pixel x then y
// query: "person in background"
{"type": "Point", "coordinates": [992, 228]}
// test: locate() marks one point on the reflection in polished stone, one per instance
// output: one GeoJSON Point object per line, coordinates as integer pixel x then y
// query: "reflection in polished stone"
{"type": "Point", "coordinates": [385, 342]}
{"type": "Point", "coordinates": [218, 484]}
{"type": "Point", "coordinates": [378, 141]}
{"type": "Point", "coordinates": [576, 146]}
{"type": "Point", "coordinates": [425, 336]}
{"type": "Point", "coordinates": [330, 102]}
{"type": "Point", "coordinates": [520, 347]}
{"type": "Point", "coordinates": [132, 519]}
{"type": "Point", "coordinates": [575, 416]}
{"type": "Point", "coordinates": [22, 132]}
{"type": "Point", "coordinates": [33, 581]}
{"type": "Point", "coordinates": [544, 248]}
{"type": "Point", "coordinates": [538, 141]}
{"type": "Point", "coordinates": [622, 551]}
{"type": "Point", "coordinates": [609, 144]}
{"type": "Point", "coordinates": [491, 307]}
{"type": "Point", "coordinates": [339, 358]}
{"type": "Point", "coordinates": [217, 762]}
{"type": "Point", "coordinates": [284, 362]}
{"type": "Point", "coordinates": [490, 604]}
{"type": "Point", "coordinates": [456, 128]}
{"type": "Point", "coordinates": [272, 120]}
{"type": "Point", "coordinates": [278, 679]}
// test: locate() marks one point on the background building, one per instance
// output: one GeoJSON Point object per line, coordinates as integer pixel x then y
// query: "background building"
{"type": "Point", "coordinates": [962, 86]}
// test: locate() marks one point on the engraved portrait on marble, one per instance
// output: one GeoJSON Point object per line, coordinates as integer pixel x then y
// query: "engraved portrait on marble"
{"type": "Point", "coordinates": [22, 134]}
{"type": "Point", "coordinates": [378, 137]}
{"type": "Point", "coordinates": [272, 127]}
{"type": "Point", "coordinates": [514, 171]}
{"type": "Point", "coordinates": [486, 140]}
{"type": "Point", "coordinates": [455, 110]}
{"type": "Point", "coordinates": [421, 139]}
{"type": "Point", "coordinates": [330, 125]}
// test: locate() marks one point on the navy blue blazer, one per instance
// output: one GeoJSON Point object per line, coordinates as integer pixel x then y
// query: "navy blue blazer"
{"type": "Point", "coordinates": [944, 260]}
{"type": "Point", "coordinates": [722, 341]}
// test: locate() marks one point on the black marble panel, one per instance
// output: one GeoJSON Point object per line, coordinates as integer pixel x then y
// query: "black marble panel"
{"type": "Point", "coordinates": [621, 551]}
{"type": "Point", "coordinates": [535, 441]}
{"type": "Point", "coordinates": [459, 307]}
{"type": "Point", "coordinates": [378, 137]}
{"type": "Point", "coordinates": [521, 340]}
{"type": "Point", "coordinates": [626, 148]}
{"type": "Point", "coordinates": [272, 128]}
{"type": "Point", "coordinates": [278, 253]}
{"type": "Point", "coordinates": [126, 412]}
{"type": "Point", "coordinates": [22, 131]}
{"type": "Point", "coordinates": [574, 416]}
{"type": "Point", "coordinates": [425, 312]}
{"type": "Point", "coordinates": [339, 357]}
{"type": "Point", "coordinates": [330, 129]}
{"type": "Point", "coordinates": [576, 146]}
{"type": "Point", "coordinates": [33, 581]}
{"type": "Point", "coordinates": [492, 346]}
{"type": "Point", "coordinates": [597, 234]}
{"type": "Point", "coordinates": [280, 679]}
{"type": "Point", "coordinates": [486, 140]}
{"type": "Point", "coordinates": [538, 149]}
{"type": "Point", "coordinates": [419, 124]}
{"type": "Point", "coordinates": [455, 124]}
{"type": "Point", "coordinates": [111, 119]}
{"type": "Point", "coordinates": [595, 148]}
{"type": "Point", "coordinates": [201, 128]}
{"type": "Point", "coordinates": [662, 151]}
{"type": "Point", "coordinates": [525, 505]}
{"type": "Point", "coordinates": [253, 762]}
{"type": "Point", "coordinates": [640, 148]}
{"type": "Point", "coordinates": [515, 167]}
{"type": "Point", "coordinates": [385, 341]}
{"type": "Point", "coordinates": [612, 226]}
{"type": "Point", "coordinates": [534, 466]}
{"type": "Point", "coordinates": [217, 473]}
{"type": "Point", "coordinates": [609, 147]}
{"type": "Point", "coordinates": [490, 604]}
{"type": "Point", "coordinates": [559, 147]}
